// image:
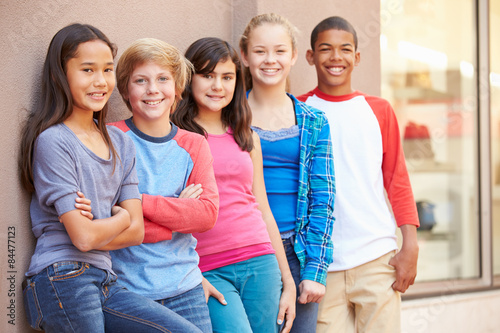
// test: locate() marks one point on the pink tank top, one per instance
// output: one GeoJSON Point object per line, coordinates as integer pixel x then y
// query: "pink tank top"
{"type": "Point", "coordinates": [240, 233]}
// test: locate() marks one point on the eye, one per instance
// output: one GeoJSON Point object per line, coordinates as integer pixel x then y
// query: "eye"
{"type": "Point", "coordinates": [259, 51]}
{"type": "Point", "coordinates": [281, 51]}
{"type": "Point", "coordinates": [139, 81]}
{"type": "Point", "coordinates": [163, 79]}
{"type": "Point", "coordinates": [87, 70]}
{"type": "Point", "coordinates": [207, 76]}
{"type": "Point", "coordinates": [324, 49]}
{"type": "Point", "coordinates": [109, 70]}
{"type": "Point", "coordinates": [227, 78]}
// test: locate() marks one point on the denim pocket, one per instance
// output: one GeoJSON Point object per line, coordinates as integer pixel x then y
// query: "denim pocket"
{"type": "Point", "coordinates": [66, 270]}
{"type": "Point", "coordinates": [32, 306]}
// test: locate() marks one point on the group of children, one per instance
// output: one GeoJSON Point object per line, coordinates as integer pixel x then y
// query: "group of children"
{"type": "Point", "coordinates": [212, 207]}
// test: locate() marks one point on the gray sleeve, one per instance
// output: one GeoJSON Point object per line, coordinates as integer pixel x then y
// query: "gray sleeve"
{"type": "Point", "coordinates": [126, 149]}
{"type": "Point", "coordinates": [54, 172]}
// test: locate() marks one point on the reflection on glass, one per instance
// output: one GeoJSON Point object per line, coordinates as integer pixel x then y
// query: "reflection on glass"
{"type": "Point", "coordinates": [428, 75]}
{"type": "Point", "coordinates": [495, 128]}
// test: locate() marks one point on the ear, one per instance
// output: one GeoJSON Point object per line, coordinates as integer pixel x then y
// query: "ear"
{"type": "Point", "coordinates": [310, 57]}
{"type": "Point", "coordinates": [244, 59]}
{"type": "Point", "coordinates": [357, 58]}
{"type": "Point", "coordinates": [295, 55]}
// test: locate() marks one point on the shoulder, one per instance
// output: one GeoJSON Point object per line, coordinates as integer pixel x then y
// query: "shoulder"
{"type": "Point", "coordinates": [193, 144]}
{"type": "Point", "coordinates": [120, 140]}
{"type": "Point", "coordinates": [56, 136]}
{"type": "Point", "coordinates": [116, 133]}
{"type": "Point", "coordinates": [377, 103]}
{"type": "Point", "coordinates": [190, 141]}
{"type": "Point", "coordinates": [188, 137]}
{"type": "Point", "coordinates": [306, 111]}
{"type": "Point", "coordinates": [51, 134]}
{"type": "Point", "coordinates": [122, 125]}
{"type": "Point", "coordinates": [305, 96]}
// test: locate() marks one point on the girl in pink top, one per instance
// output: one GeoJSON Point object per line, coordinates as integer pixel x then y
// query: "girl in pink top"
{"type": "Point", "coordinates": [242, 256]}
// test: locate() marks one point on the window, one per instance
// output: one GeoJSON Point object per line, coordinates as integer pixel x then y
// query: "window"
{"type": "Point", "coordinates": [429, 75]}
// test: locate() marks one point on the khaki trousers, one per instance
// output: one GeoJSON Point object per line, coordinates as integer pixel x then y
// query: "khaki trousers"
{"type": "Point", "coordinates": [361, 299]}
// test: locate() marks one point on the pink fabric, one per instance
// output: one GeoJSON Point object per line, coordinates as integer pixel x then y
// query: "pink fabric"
{"type": "Point", "coordinates": [240, 222]}
{"type": "Point", "coordinates": [221, 259]}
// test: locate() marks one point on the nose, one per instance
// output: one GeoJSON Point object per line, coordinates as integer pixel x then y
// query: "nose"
{"type": "Point", "coordinates": [335, 54]}
{"type": "Point", "coordinates": [152, 88]}
{"type": "Point", "coordinates": [270, 58]}
{"type": "Point", "coordinates": [99, 79]}
{"type": "Point", "coordinates": [217, 84]}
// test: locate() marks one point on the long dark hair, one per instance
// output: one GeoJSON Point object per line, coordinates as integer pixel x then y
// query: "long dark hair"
{"type": "Point", "coordinates": [56, 102]}
{"type": "Point", "coordinates": [205, 54]}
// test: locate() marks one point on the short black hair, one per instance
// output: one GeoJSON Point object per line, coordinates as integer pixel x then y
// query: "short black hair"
{"type": "Point", "coordinates": [335, 23]}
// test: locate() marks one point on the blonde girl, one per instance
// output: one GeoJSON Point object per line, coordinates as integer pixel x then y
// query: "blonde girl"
{"type": "Point", "coordinates": [297, 155]}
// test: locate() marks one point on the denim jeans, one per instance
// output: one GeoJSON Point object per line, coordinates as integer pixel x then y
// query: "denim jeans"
{"type": "Point", "coordinates": [73, 296]}
{"type": "Point", "coordinates": [192, 306]}
{"type": "Point", "coordinates": [252, 289]}
{"type": "Point", "coordinates": [305, 314]}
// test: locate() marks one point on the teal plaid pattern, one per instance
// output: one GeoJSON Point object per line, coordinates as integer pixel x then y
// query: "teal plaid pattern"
{"type": "Point", "coordinates": [316, 194]}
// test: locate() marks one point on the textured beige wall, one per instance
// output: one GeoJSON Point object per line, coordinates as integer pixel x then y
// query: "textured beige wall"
{"type": "Point", "coordinates": [27, 27]}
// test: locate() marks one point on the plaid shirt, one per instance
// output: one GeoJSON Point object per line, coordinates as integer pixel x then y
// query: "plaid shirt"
{"type": "Point", "coordinates": [316, 194]}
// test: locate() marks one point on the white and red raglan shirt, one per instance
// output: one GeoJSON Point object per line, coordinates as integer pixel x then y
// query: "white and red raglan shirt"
{"type": "Point", "coordinates": [368, 158]}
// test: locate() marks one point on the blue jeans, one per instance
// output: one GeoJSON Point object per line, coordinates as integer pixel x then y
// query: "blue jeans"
{"type": "Point", "coordinates": [73, 296]}
{"type": "Point", "coordinates": [192, 306]}
{"type": "Point", "coordinates": [252, 289]}
{"type": "Point", "coordinates": [306, 314]}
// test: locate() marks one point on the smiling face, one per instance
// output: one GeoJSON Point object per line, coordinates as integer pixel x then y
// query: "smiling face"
{"type": "Point", "coordinates": [151, 92]}
{"type": "Point", "coordinates": [214, 91]}
{"type": "Point", "coordinates": [270, 54]}
{"type": "Point", "coordinates": [334, 57]}
{"type": "Point", "coordinates": [91, 76]}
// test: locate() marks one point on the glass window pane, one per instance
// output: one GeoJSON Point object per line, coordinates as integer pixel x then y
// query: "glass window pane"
{"type": "Point", "coordinates": [429, 76]}
{"type": "Point", "coordinates": [495, 128]}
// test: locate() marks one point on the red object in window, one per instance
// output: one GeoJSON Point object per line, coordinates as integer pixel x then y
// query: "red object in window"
{"type": "Point", "coordinates": [416, 131]}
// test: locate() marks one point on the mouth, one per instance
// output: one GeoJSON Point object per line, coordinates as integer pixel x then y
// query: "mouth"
{"type": "Point", "coordinates": [335, 70]}
{"type": "Point", "coordinates": [153, 102]}
{"type": "Point", "coordinates": [215, 97]}
{"type": "Point", "coordinates": [270, 71]}
{"type": "Point", "coordinates": [97, 95]}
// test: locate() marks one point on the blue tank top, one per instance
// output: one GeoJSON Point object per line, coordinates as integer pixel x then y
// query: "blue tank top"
{"type": "Point", "coordinates": [280, 152]}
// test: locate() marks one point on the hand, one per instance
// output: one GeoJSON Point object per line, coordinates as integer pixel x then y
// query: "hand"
{"type": "Point", "coordinates": [287, 305]}
{"type": "Point", "coordinates": [210, 290]}
{"type": "Point", "coordinates": [83, 204]}
{"type": "Point", "coordinates": [405, 263]}
{"type": "Point", "coordinates": [311, 291]}
{"type": "Point", "coordinates": [191, 192]}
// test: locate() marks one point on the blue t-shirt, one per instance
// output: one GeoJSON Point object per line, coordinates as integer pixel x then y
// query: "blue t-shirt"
{"type": "Point", "coordinates": [170, 267]}
{"type": "Point", "coordinates": [280, 153]}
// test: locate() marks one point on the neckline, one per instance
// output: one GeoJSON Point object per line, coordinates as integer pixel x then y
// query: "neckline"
{"type": "Point", "coordinates": [154, 139]}
{"type": "Point", "coordinates": [87, 149]}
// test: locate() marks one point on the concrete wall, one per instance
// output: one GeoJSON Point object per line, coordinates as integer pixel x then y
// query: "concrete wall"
{"type": "Point", "coordinates": [27, 28]}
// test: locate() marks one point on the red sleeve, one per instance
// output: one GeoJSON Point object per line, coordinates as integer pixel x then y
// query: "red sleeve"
{"type": "Point", "coordinates": [396, 178]}
{"type": "Point", "coordinates": [185, 215]}
{"type": "Point", "coordinates": [121, 125]}
{"type": "Point", "coordinates": [303, 98]}
{"type": "Point", "coordinates": [153, 232]}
